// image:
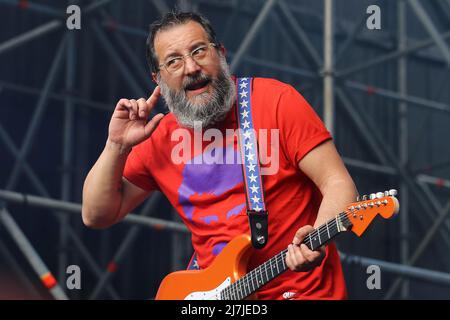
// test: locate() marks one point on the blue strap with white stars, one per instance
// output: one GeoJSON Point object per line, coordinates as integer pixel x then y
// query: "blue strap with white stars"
{"type": "Point", "coordinates": [256, 208]}
{"type": "Point", "coordinates": [193, 264]}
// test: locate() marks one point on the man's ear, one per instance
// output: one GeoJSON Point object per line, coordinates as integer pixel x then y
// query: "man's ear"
{"type": "Point", "coordinates": [154, 78]}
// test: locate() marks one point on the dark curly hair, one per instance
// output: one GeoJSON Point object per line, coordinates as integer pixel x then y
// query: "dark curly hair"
{"type": "Point", "coordinates": [169, 20]}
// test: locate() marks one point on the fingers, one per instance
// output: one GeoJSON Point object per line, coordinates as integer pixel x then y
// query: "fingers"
{"type": "Point", "coordinates": [133, 111]}
{"type": "Point", "coordinates": [309, 255]}
{"type": "Point", "coordinates": [152, 124]}
{"type": "Point", "coordinates": [154, 97]}
{"type": "Point", "coordinates": [139, 109]}
{"type": "Point", "coordinates": [142, 110]}
{"type": "Point", "coordinates": [299, 257]}
{"type": "Point", "coordinates": [294, 258]}
{"type": "Point", "coordinates": [301, 234]}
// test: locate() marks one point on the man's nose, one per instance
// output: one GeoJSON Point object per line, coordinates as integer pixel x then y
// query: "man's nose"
{"type": "Point", "coordinates": [190, 66]}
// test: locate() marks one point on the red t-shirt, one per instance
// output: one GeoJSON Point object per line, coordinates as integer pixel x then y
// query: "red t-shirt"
{"type": "Point", "coordinates": [210, 198]}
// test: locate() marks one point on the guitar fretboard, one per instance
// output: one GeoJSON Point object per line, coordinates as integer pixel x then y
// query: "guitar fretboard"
{"type": "Point", "coordinates": [275, 266]}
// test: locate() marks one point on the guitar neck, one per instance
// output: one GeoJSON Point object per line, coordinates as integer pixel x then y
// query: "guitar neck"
{"type": "Point", "coordinates": [275, 266]}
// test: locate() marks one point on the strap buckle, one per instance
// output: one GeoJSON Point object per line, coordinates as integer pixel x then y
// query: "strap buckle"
{"type": "Point", "coordinates": [258, 227]}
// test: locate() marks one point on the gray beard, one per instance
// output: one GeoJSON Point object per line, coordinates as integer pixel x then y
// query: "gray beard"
{"type": "Point", "coordinates": [191, 113]}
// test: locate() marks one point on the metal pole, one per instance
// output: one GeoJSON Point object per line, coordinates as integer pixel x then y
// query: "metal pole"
{"type": "Point", "coordinates": [350, 38]}
{"type": "Point", "coordinates": [41, 189]}
{"type": "Point", "coordinates": [282, 29]}
{"type": "Point", "coordinates": [437, 277]}
{"type": "Point", "coordinates": [30, 35]}
{"type": "Point", "coordinates": [359, 123]}
{"type": "Point", "coordinates": [384, 154]}
{"type": "Point", "coordinates": [389, 56]}
{"type": "Point", "coordinates": [301, 34]}
{"type": "Point", "coordinates": [278, 67]}
{"type": "Point", "coordinates": [431, 29]}
{"type": "Point", "coordinates": [328, 81]}
{"type": "Point", "coordinates": [139, 66]}
{"type": "Point", "coordinates": [15, 153]}
{"type": "Point", "coordinates": [57, 96]}
{"type": "Point", "coordinates": [434, 180]}
{"type": "Point", "coordinates": [36, 7]}
{"type": "Point", "coordinates": [369, 166]}
{"type": "Point", "coordinates": [422, 246]}
{"type": "Point", "coordinates": [127, 242]}
{"type": "Point", "coordinates": [138, 91]}
{"type": "Point", "coordinates": [67, 151]}
{"type": "Point", "coordinates": [125, 29]}
{"type": "Point", "coordinates": [435, 202]}
{"type": "Point", "coordinates": [17, 269]}
{"type": "Point", "coordinates": [59, 205]}
{"type": "Point", "coordinates": [249, 37]}
{"type": "Point", "coordinates": [412, 100]}
{"type": "Point", "coordinates": [403, 141]}
{"type": "Point", "coordinates": [37, 116]}
{"type": "Point", "coordinates": [33, 258]}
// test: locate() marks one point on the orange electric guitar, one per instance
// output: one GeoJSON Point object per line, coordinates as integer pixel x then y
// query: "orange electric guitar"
{"type": "Point", "coordinates": [227, 278]}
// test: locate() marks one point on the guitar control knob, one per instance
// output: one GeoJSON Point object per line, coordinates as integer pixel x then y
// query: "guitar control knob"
{"type": "Point", "coordinates": [380, 195]}
{"type": "Point", "coordinates": [364, 197]}
{"type": "Point", "coordinates": [372, 196]}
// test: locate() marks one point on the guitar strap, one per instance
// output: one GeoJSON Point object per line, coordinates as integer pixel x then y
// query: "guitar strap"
{"type": "Point", "coordinates": [248, 144]}
{"type": "Point", "coordinates": [254, 192]}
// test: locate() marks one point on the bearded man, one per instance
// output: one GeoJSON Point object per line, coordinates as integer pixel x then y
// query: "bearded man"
{"type": "Point", "coordinates": [310, 186]}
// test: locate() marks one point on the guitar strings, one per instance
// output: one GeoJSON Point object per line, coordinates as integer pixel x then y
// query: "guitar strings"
{"type": "Point", "coordinates": [324, 226]}
{"type": "Point", "coordinates": [238, 287]}
{"type": "Point", "coordinates": [253, 274]}
{"type": "Point", "coordinates": [280, 257]}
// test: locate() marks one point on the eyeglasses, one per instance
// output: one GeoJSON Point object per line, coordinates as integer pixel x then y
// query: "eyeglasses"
{"type": "Point", "coordinates": [200, 55]}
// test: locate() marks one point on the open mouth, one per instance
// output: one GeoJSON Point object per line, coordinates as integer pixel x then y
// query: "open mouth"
{"type": "Point", "coordinates": [198, 85]}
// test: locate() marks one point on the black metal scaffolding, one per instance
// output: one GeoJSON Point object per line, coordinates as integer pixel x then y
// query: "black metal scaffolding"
{"type": "Point", "coordinates": [383, 94]}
